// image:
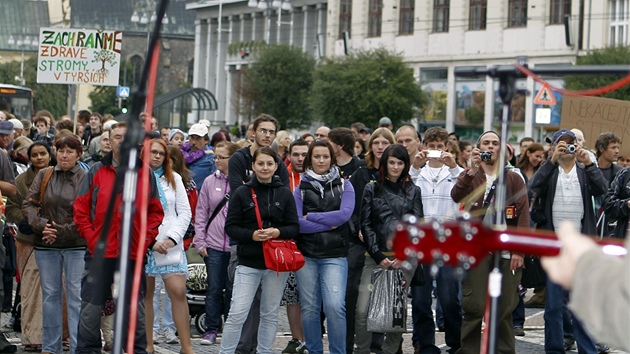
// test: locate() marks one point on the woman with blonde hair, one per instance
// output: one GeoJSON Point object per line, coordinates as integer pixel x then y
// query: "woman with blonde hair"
{"type": "Point", "coordinates": [166, 257]}
{"type": "Point", "coordinates": [281, 144]}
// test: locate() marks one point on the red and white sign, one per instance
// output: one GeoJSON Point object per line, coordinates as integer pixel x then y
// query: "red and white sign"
{"type": "Point", "coordinates": [545, 96]}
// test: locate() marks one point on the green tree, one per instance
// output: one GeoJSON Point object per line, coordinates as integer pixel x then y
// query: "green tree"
{"type": "Point", "coordinates": [279, 83]}
{"type": "Point", "coordinates": [606, 56]}
{"type": "Point", "coordinates": [364, 87]}
{"type": "Point", "coordinates": [51, 97]}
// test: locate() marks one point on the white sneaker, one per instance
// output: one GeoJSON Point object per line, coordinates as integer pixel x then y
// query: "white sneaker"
{"type": "Point", "coordinates": [170, 337]}
{"type": "Point", "coordinates": [155, 337]}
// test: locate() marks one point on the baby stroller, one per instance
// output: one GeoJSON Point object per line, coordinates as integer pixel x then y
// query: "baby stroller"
{"type": "Point", "coordinates": [196, 295]}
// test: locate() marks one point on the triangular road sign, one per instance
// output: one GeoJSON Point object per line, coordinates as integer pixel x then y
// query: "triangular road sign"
{"type": "Point", "coordinates": [545, 96]}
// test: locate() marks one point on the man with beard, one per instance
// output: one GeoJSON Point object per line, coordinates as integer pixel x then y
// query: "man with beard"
{"type": "Point", "coordinates": [477, 184]}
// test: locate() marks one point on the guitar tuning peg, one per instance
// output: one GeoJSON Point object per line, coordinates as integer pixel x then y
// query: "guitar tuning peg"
{"type": "Point", "coordinates": [468, 231]}
{"type": "Point", "coordinates": [466, 216]}
{"type": "Point", "coordinates": [410, 218]}
{"type": "Point", "coordinates": [434, 270]}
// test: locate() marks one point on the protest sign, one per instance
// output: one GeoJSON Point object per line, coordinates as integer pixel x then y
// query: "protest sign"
{"type": "Point", "coordinates": [595, 115]}
{"type": "Point", "coordinates": [71, 56]}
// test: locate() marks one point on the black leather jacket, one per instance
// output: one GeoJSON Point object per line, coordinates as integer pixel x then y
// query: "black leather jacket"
{"type": "Point", "coordinates": [382, 209]}
{"type": "Point", "coordinates": [615, 203]}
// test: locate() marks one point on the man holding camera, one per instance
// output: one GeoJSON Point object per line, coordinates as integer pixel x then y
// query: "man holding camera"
{"type": "Point", "coordinates": [567, 182]}
{"type": "Point", "coordinates": [476, 188]}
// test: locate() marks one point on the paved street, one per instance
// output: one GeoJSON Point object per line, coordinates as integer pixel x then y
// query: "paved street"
{"type": "Point", "coordinates": [532, 342]}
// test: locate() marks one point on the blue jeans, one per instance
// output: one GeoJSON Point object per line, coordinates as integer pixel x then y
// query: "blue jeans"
{"type": "Point", "coordinates": [216, 269]}
{"type": "Point", "coordinates": [52, 265]}
{"type": "Point", "coordinates": [447, 291]}
{"type": "Point", "coordinates": [556, 299]}
{"type": "Point", "coordinates": [167, 311]}
{"type": "Point", "coordinates": [246, 282]}
{"type": "Point", "coordinates": [323, 280]}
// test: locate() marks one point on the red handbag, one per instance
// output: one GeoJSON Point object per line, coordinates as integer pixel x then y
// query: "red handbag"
{"type": "Point", "coordinates": [281, 255]}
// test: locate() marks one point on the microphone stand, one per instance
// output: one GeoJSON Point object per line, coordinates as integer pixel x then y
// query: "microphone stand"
{"type": "Point", "coordinates": [507, 75]}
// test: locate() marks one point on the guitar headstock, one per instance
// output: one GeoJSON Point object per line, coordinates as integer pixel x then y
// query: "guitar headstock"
{"type": "Point", "coordinates": [465, 242]}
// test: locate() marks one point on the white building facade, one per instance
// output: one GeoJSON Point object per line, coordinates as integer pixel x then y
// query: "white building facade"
{"type": "Point", "coordinates": [434, 36]}
{"type": "Point", "coordinates": [228, 33]}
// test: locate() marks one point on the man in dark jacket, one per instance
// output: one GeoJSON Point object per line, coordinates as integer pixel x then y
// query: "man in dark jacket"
{"type": "Point", "coordinates": [607, 146]}
{"type": "Point", "coordinates": [568, 190]}
{"type": "Point", "coordinates": [477, 183]}
{"type": "Point", "coordinates": [90, 208]}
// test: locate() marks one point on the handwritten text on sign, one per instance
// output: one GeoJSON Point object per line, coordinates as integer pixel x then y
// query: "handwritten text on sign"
{"type": "Point", "coordinates": [69, 56]}
{"type": "Point", "coordinates": [594, 115]}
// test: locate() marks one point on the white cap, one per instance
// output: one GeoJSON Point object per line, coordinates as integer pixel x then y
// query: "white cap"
{"type": "Point", "coordinates": [16, 123]}
{"type": "Point", "coordinates": [108, 125]}
{"type": "Point", "coordinates": [205, 122]}
{"type": "Point", "coordinates": [198, 129]}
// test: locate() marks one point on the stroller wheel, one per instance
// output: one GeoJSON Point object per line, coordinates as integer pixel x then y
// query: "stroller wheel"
{"type": "Point", "coordinates": [200, 322]}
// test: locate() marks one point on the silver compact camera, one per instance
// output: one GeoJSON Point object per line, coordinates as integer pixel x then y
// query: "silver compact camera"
{"type": "Point", "coordinates": [571, 149]}
{"type": "Point", "coordinates": [434, 154]}
{"type": "Point", "coordinates": [485, 156]}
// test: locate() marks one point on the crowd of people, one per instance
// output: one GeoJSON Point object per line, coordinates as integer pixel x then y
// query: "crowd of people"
{"type": "Point", "coordinates": [339, 193]}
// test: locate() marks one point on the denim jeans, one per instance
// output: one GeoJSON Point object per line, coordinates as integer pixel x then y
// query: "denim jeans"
{"type": "Point", "coordinates": [556, 299]}
{"type": "Point", "coordinates": [52, 265]}
{"type": "Point", "coordinates": [447, 291]}
{"type": "Point", "coordinates": [363, 337]}
{"type": "Point", "coordinates": [246, 282]}
{"type": "Point", "coordinates": [167, 311]}
{"type": "Point", "coordinates": [323, 280]}
{"type": "Point", "coordinates": [216, 269]}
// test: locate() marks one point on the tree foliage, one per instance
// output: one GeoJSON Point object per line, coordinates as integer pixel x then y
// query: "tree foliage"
{"type": "Point", "coordinates": [607, 56]}
{"type": "Point", "coordinates": [279, 83]}
{"type": "Point", "coordinates": [51, 97]}
{"type": "Point", "coordinates": [364, 87]}
{"type": "Point", "coordinates": [104, 99]}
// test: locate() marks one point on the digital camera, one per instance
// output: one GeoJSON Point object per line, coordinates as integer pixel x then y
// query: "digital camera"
{"type": "Point", "coordinates": [485, 156]}
{"type": "Point", "coordinates": [434, 154]}
{"type": "Point", "coordinates": [571, 149]}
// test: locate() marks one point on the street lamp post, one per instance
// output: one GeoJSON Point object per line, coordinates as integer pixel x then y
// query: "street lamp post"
{"type": "Point", "coordinates": [144, 14]}
{"type": "Point", "coordinates": [269, 5]}
{"type": "Point", "coordinates": [22, 41]}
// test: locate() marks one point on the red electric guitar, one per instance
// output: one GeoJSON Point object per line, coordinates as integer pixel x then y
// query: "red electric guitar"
{"type": "Point", "coordinates": [464, 243]}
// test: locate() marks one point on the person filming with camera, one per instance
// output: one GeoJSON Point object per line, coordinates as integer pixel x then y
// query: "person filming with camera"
{"type": "Point", "coordinates": [566, 184]}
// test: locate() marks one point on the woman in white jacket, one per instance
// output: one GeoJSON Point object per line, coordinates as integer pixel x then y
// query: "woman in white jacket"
{"type": "Point", "coordinates": [166, 256]}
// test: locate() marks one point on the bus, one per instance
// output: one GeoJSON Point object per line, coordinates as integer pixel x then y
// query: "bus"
{"type": "Point", "coordinates": [17, 100]}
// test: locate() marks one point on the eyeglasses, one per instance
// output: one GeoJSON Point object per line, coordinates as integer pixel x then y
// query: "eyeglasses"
{"type": "Point", "coordinates": [264, 131]}
{"type": "Point", "coordinates": [217, 157]}
{"type": "Point", "coordinates": [158, 153]}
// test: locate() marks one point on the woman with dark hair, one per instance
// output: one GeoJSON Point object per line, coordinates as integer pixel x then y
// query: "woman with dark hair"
{"type": "Point", "coordinates": [39, 154]}
{"type": "Point", "coordinates": [276, 208]}
{"type": "Point", "coordinates": [359, 148]}
{"type": "Point", "coordinates": [324, 202]}
{"type": "Point", "coordinates": [166, 258]}
{"type": "Point", "coordinates": [59, 249]}
{"type": "Point", "coordinates": [308, 137]}
{"type": "Point", "coordinates": [384, 203]}
{"type": "Point", "coordinates": [218, 137]}
{"type": "Point", "coordinates": [530, 160]}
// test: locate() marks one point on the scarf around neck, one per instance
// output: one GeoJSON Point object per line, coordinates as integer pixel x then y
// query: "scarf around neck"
{"type": "Point", "coordinates": [159, 172]}
{"type": "Point", "coordinates": [318, 181]}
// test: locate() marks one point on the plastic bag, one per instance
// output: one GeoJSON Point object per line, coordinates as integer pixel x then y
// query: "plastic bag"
{"type": "Point", "coordinates": [387, 311]}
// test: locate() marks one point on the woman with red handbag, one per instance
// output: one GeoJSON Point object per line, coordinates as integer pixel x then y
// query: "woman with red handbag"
{"type": "Point", "coordinates": [260, 210]}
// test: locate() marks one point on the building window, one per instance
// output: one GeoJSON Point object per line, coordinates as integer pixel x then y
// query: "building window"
{"type": "Point", "coordinates": [477, 15]}
{"type": "Point", "coordinates": [559, 8]}
{"type": "Point", "coordinates": [517, 16]}
{"type": "Point", "coordinates": [374, 18]}
{"type": "Point", "coordinates": [345, 17]}
{"type": "Point", "coordinates": [618, 22]}
{"type": "Point", "coordinates": [407, 9]}
{"type": "Point", "coordinates": [440, 15]}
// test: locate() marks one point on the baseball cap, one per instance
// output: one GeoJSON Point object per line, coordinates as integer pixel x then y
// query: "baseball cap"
{"type": "Point", "coordinates": [16, 123]}
{"type": "Point", "coordinates": [108, 125]}
{"type": "Point", "coordinates": [560, 133]}
{"type": "Point", "coordinates": [6, 127]}
{"type": "Point", "coordinates": [198, 129]}
{"type": "Point", "coordinates": [385, 121]}
{"type": "Point", "coordinates": [365, 130]}
{"type": "Point", "coordinates": [205, 122]}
